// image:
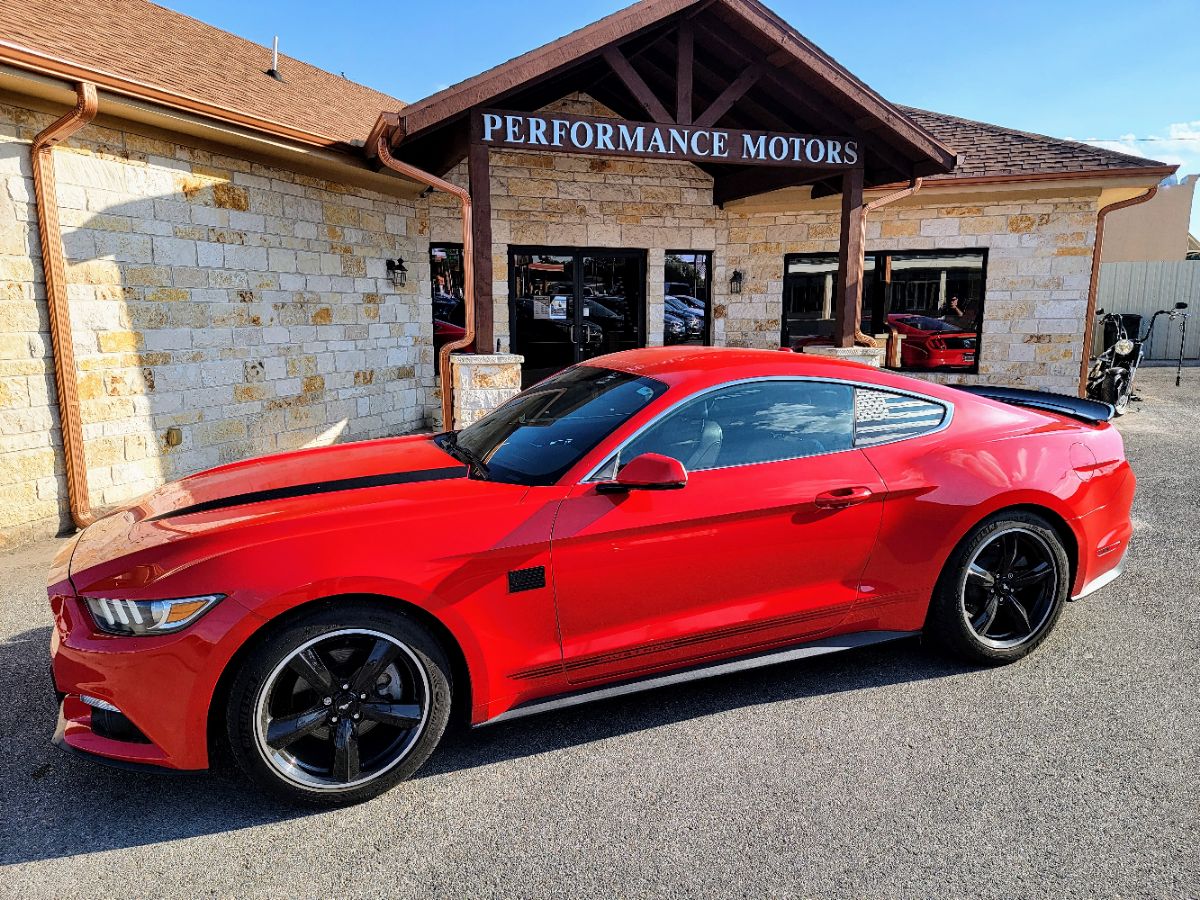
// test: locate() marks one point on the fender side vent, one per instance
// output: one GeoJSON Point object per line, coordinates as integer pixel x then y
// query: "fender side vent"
{"type": "Point", "coordinates": [526, 579]}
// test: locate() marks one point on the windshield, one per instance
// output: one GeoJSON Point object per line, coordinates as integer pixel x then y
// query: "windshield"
{"type": "Point", "coordinates": [541, 433]}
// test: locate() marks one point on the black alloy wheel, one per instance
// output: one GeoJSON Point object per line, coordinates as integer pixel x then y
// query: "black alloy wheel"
{"type": "Point", "coordinates": [342, 708]}
{"type": "Point", "coordinates": [339, 706]}
{"type": "Point", "coordinates": [1002, 589]}
{"type": "Point", "coordinates": [1010, 587]}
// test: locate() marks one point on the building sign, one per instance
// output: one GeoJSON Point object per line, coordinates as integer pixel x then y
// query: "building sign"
{"type": "Point", "coordinates": [565, 133]}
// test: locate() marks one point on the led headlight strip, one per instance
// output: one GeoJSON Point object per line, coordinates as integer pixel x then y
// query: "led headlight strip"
{"type": "Point", "coordinates": [148, 617]}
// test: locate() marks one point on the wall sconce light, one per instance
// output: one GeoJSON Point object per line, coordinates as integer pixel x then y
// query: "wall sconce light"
{"type": "Point", "coordinates": [398, 272]}
{"type": "Point", "coordinates": [735, 282]}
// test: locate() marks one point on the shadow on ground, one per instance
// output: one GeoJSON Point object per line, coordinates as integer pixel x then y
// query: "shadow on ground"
{"type": "Point", "coordinates": [60, 805]}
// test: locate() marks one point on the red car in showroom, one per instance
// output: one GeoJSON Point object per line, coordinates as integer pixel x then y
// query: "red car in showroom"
{"type": "Point", "coordinates": [642, 519]}
{"type": "Point", "coordinates": [931, 343]}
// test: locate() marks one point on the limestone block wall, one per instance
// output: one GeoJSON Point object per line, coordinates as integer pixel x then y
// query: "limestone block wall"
{"type": "Point", "coordinates": [245, 305]}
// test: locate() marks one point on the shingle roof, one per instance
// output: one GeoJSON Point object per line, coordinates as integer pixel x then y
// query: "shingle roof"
{"type": "Point", "coordinates": [992, 151]}
{"type": "Point", "coordinates": [142, 41]}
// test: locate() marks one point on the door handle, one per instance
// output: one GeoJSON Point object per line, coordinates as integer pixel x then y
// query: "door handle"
{"type": "Point", "coordinates": [840, 498]}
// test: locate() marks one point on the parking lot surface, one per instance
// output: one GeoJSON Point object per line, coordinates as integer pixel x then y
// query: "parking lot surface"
{"type": "Point", "coordinates": [882, 772]}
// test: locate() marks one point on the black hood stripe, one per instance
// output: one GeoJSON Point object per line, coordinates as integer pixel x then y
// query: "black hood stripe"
{"type": "Point", "coordinates": [318, 487]}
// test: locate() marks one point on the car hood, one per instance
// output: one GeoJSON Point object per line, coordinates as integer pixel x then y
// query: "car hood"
{"type": "Point", "coordinates": [303, 483]}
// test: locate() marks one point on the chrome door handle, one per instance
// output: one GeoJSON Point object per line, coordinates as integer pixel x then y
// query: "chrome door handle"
{"type": "Point", "coordinates": [840, 498]}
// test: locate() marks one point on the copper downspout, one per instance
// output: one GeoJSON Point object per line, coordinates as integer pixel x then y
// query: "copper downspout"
{"type": "Point", "coordinates": [438, 184]}
{"type": "Point", "coordinates": [1094, 284]}
{"type": "Point", "coordinates": [55, 274]}
{"type": "Point", "coordinates": [860, 338]}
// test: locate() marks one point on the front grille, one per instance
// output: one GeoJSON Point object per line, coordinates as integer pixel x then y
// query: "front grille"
{"type": "Point", "coordinates": [115, 727]}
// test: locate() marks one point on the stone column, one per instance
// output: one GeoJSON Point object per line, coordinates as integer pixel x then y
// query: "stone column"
{"type": "Point", "coordinates": [482, 381]}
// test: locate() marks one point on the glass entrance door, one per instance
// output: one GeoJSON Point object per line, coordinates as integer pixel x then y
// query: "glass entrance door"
{"type": "Point", "coordinates": [568, 305]}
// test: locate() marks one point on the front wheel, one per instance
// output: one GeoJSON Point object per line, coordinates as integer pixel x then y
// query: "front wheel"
{"type": "Point", "coordinates": [1002, 590]}
{"type": "Point", "coordinates": [338, 706]}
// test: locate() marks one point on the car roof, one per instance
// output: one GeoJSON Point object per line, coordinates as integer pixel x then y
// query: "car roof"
{"type": "Point", "coordinates": [679, 363]}
{"type": "Point", "coordinates": [695, 367]}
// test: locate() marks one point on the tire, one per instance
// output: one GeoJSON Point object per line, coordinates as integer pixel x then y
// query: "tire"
{"type": "Point", "coordinates": [1116, 389]}
{"type": "Point", "coordinates": [371, 710]}
{"type": "Point", "coordinates": [993, 604]}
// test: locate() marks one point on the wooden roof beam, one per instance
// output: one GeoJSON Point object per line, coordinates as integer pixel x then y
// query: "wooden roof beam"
{"type": "Point", "coordinates": [734, 92]}
{"type": "Point", "coordinates": [636, 85]}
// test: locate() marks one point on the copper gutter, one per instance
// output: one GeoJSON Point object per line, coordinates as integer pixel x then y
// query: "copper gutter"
{"type": "Point", "coordinates": [55, 274]}
{"type": "Point", "coordinates": [438, 184]}
{"type": "Point", "coordinates": [1094, 284]}
{"type": "Point", "coordinates": [860, 338]}
{"type": "Point", "coordinates": [952, 181]}
{"type": "Point", "coordinates": [55, 67]}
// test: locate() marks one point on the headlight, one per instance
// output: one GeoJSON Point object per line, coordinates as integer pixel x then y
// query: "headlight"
{"type": "Point", "coordinates": [1123, 347]}
{"type": "Point", "coordinates": [148, 617]}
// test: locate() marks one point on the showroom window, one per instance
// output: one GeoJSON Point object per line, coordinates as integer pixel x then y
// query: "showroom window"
{"type": "Point", "coordinates": [752, 422]}
{"type": "Point", "coordinates": [929, 302]}
{"type": "Point", "coordinates": [687, 297]}
{"type": "Point", "coordinates": [446, 276]}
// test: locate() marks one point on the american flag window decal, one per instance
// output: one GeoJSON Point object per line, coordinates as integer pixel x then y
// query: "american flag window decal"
{"type": "Point", "coordinates": [881, 417]}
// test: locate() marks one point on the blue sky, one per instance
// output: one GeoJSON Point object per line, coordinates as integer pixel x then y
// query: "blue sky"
{"type": "Point", "coordinates": [1091, 70]}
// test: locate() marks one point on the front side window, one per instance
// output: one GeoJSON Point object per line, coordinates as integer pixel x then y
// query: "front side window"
{"type": "Point", "coordinates": [540, 434]}
{"type": "Point", "coordinates": [752, 422]}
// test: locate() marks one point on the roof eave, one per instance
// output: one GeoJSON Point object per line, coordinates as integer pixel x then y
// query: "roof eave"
{"type": "Point", "coordinates": [21, 57]}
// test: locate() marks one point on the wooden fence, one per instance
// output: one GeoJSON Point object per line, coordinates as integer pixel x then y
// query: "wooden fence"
{"type": "Point", "coordinates": [1143, 287]}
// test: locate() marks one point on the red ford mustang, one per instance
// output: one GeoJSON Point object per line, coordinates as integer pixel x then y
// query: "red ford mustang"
{"type": "Point", "coordinates": [645, 518]}
{"type": "Point", "coordinates": [934, 344]}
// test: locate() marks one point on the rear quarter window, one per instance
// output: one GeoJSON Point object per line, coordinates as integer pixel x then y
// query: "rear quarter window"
{"type": "Point", "coordinates": [882, 416]}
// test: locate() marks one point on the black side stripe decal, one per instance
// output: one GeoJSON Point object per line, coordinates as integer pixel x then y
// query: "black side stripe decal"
{"type": "Point", "coordinates": [318, 487]}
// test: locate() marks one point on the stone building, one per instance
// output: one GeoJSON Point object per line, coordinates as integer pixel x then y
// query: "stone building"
{"type": "Point", "coordinates": [243, 276]}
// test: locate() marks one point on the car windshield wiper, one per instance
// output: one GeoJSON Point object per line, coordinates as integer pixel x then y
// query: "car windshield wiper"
{"type": "Point", "coordinates": [467, 455]}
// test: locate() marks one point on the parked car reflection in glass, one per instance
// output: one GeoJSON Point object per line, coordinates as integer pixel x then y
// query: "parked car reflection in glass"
{"type": "Point", "coordinates": [931, 343]}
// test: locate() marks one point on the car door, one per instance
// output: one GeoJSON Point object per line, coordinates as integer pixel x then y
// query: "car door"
{"type": "Point", "coordinates": [763, 546]}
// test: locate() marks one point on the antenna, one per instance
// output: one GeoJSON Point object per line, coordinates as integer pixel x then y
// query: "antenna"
{"type": "Point", "coordinates": [274, 70]}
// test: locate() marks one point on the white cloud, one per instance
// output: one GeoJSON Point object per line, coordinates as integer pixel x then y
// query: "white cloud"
{"type": "Point", "coordinates": [1178, 144]}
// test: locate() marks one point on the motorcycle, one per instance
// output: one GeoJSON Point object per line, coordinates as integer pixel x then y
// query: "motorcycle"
{"type": "Point", "coordinates": [1111, 373]}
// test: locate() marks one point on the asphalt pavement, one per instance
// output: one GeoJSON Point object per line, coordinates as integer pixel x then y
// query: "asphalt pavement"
{"type": "Point", "coordinates": [883, 772]}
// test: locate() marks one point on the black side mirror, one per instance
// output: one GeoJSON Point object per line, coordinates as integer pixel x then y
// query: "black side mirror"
{"type": "Point", "coordinates": [1100, 311]}
{"type": "Point", "coordinates": [1181, 306]}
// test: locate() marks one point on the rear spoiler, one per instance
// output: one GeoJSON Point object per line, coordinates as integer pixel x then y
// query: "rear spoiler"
{"type": "Point", "coordinates": [1091, 411]}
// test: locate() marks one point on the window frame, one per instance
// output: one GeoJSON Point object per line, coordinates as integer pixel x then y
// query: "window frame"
{"type": "Point", "coordinates": [883, 288]}
{"type": "Point", "coordinates": [594, 474]}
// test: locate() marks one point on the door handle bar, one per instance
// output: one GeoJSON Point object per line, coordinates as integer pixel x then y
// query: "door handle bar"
{"type": "Point", "coordinates": [840, 498]}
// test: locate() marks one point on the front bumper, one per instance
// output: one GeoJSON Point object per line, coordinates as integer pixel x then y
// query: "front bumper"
{"type": "Point", "coordinates": [162, 685]}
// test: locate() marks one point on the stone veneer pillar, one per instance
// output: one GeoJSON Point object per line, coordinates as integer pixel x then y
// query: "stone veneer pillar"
{"type": "Point", "coordinates": [482, 381]}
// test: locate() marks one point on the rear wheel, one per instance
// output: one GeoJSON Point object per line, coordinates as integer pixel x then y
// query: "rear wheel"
{"type": "Point", "coordinates": [1117, 388]}
{"type": "Point", "coordinates": [1002, 590]}
{"type": "Point", "coordinates": [339, 706]}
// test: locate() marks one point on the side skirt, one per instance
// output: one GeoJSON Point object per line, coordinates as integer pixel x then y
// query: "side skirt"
{"type": "Point", "coordinates": [815, 648]}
